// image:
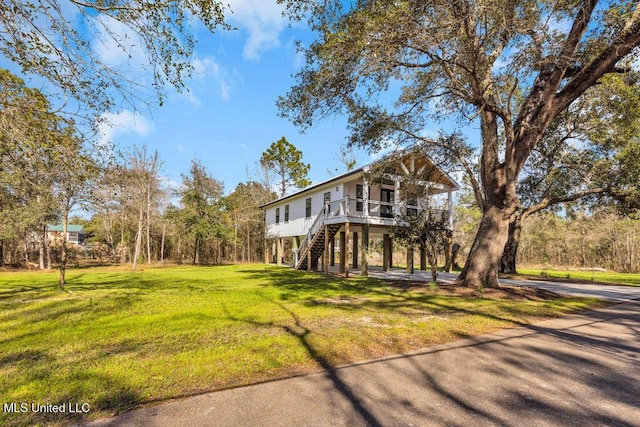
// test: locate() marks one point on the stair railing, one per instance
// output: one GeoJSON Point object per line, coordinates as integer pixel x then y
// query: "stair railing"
{"type": "Point", "coordinates": [315, 227]}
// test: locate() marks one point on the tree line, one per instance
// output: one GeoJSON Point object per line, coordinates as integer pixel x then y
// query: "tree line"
{"type": "Point", "coordinates": [572, 238]}
{"type": "Point", "coordinates": [136, 218]}
{"type": "Point", "coordinates": [47, 170]}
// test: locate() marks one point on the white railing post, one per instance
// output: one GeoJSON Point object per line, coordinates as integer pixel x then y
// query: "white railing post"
{"type": "Point", "coordinates": [346, 205]}
{"type": "Point", "coordinates": [365, 198]}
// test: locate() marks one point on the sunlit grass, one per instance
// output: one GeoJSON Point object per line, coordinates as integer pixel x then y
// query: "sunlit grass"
{"type": "Point", "coordinates": [609, 277]}
{"type": "Point", "coordinates": [117, 339]}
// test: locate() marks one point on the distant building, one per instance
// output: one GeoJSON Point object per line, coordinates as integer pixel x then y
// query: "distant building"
{"type": "Point", "coordinates": [76, 234]}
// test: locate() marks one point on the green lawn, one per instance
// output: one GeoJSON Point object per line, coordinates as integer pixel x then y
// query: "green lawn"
{"type": "Point", "coordinates": [119, 339]}
{"type": "Point", "coordinates": [609, 277]}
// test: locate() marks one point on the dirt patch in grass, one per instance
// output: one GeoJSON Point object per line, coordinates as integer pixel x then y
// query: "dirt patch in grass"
{"type": "Point", "coordinates": [512, 293]}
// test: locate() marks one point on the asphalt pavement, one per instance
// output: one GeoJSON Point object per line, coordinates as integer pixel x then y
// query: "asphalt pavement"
{"type": "Point", "coordinates": [616, 293]}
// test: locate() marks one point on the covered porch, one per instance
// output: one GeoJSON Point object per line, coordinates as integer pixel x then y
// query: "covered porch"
{"type": "Point", "coordinates": [353, 247]}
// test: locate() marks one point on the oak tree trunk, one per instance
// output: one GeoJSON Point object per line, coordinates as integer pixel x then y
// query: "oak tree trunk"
{"type": "Point", "coordinates": [448, 254]}
{"type": "Point", "coordinates": [481, 269]}
{"type": "Point", "coordinates": [510, 252]}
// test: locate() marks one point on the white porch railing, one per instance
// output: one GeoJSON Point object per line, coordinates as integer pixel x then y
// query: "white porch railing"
{"type": "Point", "coordinates": [352, 209]}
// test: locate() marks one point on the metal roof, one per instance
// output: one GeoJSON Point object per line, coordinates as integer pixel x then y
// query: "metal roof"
{"type": "Point", "coordinates": [71, 228]}
{"type": "Point", "coordinates": [341, 177]}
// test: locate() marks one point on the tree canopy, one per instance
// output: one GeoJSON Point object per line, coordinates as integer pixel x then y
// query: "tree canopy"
{"type": "Point", "coordinates": [61, 42]}
{"type": "Point", "coordinates": [284, 160]}
{"type": "Point", "coordinates": [200, 195]}
{"type": "Point", "coordinates": [515, 66]}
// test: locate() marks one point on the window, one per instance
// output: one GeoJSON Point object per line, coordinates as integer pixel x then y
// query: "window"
{"type": "Point", "coordinates": [308, 207]}
{"type": "Point", "coordinates": [277, 215]}
{"type": "Point", "coordinates": [412, 204]}
{"type": "Point", "coordinates": [387, 201]}
{"type": "Point", "coordinates": [286, 213]}
{"type": "Point", "coordinates": [359, 197]}
{"type": "Point", "coordinates": [327, 197]}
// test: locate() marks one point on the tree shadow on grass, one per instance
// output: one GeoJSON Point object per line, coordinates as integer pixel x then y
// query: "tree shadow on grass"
{"type": "Point", "coordinates": [375, 295]}
{"type": "Point", "coordinates": [301, 333]}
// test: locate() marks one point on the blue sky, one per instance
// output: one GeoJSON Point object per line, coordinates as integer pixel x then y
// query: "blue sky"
{"type": "Point", "coordinates": [228, 117]}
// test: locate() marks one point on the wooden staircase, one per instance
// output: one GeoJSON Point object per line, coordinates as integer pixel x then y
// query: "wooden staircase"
{"type": "Point", "coordinates": [317, 245]}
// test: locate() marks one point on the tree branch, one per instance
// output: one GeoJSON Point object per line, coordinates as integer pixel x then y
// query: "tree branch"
{"type": "Point", "coordinates": [546, 202]}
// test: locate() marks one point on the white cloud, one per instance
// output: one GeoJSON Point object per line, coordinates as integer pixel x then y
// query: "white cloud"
{"type": "Point", "coordinates": [380, 154]}
{"type": "Point", "coordinates": [191, 97]}
{"type": "Point", "coordinates": [264, 22]}
{"type": "Point", "coordinates": [117, 45]}
{"type": "Point", "coordinates": [125, 122]}
{"type": "Point", "coordinates": [183, 149]}
{"type": "Point", "coordinates": [205, 71]}
{"type": "Point", "coordinates": [170, 183]}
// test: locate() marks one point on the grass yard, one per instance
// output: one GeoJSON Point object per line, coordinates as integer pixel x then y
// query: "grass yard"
{"type": "Point", "coordinates": [118, 339]}
{"type": "Point", "coordinates": [607, 277]}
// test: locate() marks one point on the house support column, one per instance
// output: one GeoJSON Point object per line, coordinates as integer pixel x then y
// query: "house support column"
{"type": "Point", "coordinates": [332, 252]}
{"type": "Point", "coordinates": [385, 252]}
{"type": "Point", "coordinates": [450, 206]}
{"type": "Point", "coordinates": [279, 251]}
{"type": "Point", "coordinates": [295, 246]}
{"type": "Point", "coordinates": [274, 258]}
{"type": "Point", "coordinates": [354, 257]}
{"type": "Point", "coordinates": [343, 256]}
{"type": "Point", "coordinates": [390, 252]}
{"type": "Point", "coordinates": [409, 260]}
{"type": "Point", "coordinates": [365, 250]}
{"type": "Point", "coordinates": [266, 251]}
{"type": "Point", "coordinates": [325, 253]}
{"type": "Point", "coordinates": [346, 249]}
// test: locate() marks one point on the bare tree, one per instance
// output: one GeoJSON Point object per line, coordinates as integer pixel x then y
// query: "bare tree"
{"type": "Point", "coordinates": [142, 188]}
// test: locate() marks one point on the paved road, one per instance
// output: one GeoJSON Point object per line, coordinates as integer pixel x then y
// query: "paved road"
{"type": "Point", "coordinates": [578, 370]}
{"type": "Point", "coordinates": [607, 292]}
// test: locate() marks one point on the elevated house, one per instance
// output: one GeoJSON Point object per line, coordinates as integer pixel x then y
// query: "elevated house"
{"type": "Point", "coordinates": [76, 234]}
{"type": "Point", "coordinates": [350, 210]}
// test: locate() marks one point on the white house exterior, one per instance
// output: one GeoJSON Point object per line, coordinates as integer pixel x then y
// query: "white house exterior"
{"type": "Point", "coordinates": [348, 205]}
{"type": "Point", "coordinates": [76, 234]}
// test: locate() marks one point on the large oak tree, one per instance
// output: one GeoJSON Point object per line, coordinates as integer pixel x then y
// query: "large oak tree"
{"type": "Point", "coordinates": [512, 65]}
{"type": "Point", "coordinates": [583, 156]}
